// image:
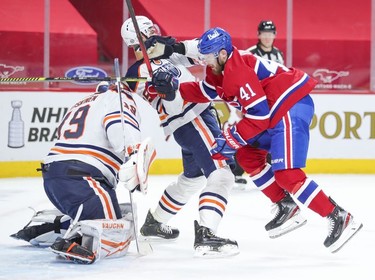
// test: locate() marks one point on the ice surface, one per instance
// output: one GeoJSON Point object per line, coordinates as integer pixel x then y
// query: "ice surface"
{"type": "Point", "coordinates": [299, 255]}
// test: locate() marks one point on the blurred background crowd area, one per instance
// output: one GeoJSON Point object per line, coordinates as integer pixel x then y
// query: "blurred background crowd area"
{"type": "Point", "coordinates": [332, 40]}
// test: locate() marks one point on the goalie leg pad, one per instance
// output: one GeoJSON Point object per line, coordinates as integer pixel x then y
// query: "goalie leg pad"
{"type": "Point", "coordinates": [100, 239]}
{"type": "Point", "coordinates": [44, 228]}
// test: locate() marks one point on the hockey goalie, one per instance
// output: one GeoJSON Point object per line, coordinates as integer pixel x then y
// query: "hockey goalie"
{"type": "Point", "coordinates": [80, 176]}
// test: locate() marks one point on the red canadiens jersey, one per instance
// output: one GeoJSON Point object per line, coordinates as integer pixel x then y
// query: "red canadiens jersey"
{"type": "Point", "coordinates": [262, 89]}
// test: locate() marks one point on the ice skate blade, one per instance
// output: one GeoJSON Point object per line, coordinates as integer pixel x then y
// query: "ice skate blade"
{"type": "Point", "coordinates": [73, 257]}
{"type": "Point", "coordinates": [222, 252]}
{"type": "Point", "coordinates": [156, 239]}
{"type": "Point", "coordinates": [292, 224]}
{"type": "Point", "coordinates": [347, 234]}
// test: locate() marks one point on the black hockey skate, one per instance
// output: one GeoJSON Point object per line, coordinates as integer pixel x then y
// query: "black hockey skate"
{"type": "Point", "coordinates": [152, 228]}
{"type": "Point", "coordinates": [341, 227]}
{"type": "Point", "coordinates": [287, 218]}
{"type": "Point", "coordinates": [206, 244]}
{"type": "Point", "coordinates": [72, 251]}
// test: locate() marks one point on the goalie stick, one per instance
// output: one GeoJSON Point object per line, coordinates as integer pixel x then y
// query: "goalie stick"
{"type": "Point", "coordinates": [143, 248]}
{"type": "Point", "coordinates": [75, 221]}
{"type": "Point", "coordinates": [74, 79]}
{"type": "Point", "coordinates": [139, 36]}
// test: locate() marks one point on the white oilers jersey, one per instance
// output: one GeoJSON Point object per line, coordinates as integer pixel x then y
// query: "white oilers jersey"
{"type": "Point", "coordinates": [92, 132]}
{"type": "Point", "coordinates": [172, 114]}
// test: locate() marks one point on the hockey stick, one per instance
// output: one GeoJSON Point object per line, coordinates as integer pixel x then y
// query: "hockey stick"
{"type": "Point", "coordinates": [143, 248]}
{"type": "Point", "coordinates": [139, 36]}
{"type": "Point", "coordinates": [74, 79]}
{"type": "Point", "coordinates": [74, 222]}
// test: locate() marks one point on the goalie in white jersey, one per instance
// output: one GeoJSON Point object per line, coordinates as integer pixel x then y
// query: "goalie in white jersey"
{"type": "Point", "coordinates": [80, 176]}
{"type": "Point", "coordinates": [194, 128]}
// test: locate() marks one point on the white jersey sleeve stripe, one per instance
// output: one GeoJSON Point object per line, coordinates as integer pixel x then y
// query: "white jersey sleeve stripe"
{"type": "Point", "coordinates": [116, 117]}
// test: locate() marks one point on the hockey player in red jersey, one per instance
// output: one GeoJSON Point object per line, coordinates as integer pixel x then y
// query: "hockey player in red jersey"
{"type": "Point", "coordinates": [277, 112]}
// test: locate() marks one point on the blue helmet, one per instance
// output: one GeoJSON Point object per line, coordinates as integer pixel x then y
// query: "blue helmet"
{"type": "Point", "coordinates": [214, 40]}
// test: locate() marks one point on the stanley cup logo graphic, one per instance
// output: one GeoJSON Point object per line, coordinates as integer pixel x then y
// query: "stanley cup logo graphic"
{"type": "Point", "coordinates": [16, 126]}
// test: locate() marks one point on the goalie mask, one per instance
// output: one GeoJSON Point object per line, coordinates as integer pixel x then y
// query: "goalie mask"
{"type": "Point", "coordinates": [146, 26]}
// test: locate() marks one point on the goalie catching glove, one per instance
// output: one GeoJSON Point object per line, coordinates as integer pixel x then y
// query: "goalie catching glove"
{"type": "Point", "coordinates": [133, 174]}
{"type": "Point", "coordinates": [227, 144]}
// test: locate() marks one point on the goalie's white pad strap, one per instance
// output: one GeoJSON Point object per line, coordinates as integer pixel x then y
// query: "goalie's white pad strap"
{"type": "Point", "coordinates": [146, 156]}
{"type": "Point", "coordinates": [47, 239]}
{"type": "Point", "coordinates": [49, 216]}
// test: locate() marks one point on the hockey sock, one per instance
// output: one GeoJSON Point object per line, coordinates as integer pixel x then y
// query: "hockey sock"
{"type": "Point", "coordinates": [265, 182]}
{"type": "Point", "coordinates": [305, 190]}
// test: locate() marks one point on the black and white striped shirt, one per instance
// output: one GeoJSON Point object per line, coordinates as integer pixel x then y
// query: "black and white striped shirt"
{"type": "Point", "coordinates": [275, 54]}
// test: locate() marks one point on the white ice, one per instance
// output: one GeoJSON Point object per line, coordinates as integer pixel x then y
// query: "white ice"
{"type": "Point", "coordinates": [299, 255]}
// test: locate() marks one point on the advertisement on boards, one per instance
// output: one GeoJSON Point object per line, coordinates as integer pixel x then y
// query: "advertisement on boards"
{"type": "Point", "coordinates": [343, 126]}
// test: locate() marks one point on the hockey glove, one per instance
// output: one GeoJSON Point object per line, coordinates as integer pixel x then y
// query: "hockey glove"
{"type": "Point", "coordinates": [159, 47]}
{"type": "Point", "coordinates": [227, 144]}
{"type": "Point", "coordinates": [165, 84]}
{"type": "Point", "coordinates": [133, 174]}
{"type": "Point", "coordinates": [127, 174]}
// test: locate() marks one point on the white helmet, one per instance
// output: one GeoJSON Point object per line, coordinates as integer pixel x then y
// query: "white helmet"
{"type": "Point", "coordinates": [146, 26]}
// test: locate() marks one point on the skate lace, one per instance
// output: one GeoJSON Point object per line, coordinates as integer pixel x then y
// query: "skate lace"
{"type": "Point", "coordinates": [331, 225]}
{"type": "Point", "coordinates": [165, 228]}
{"type": "Point", "coordinates": [211, 233]}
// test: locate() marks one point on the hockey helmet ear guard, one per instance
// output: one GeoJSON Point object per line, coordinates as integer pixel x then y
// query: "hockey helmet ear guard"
{"type": "Point", "coordinates": [214, 40]}
{"type": "Point", "coordinates": [146, 26]}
